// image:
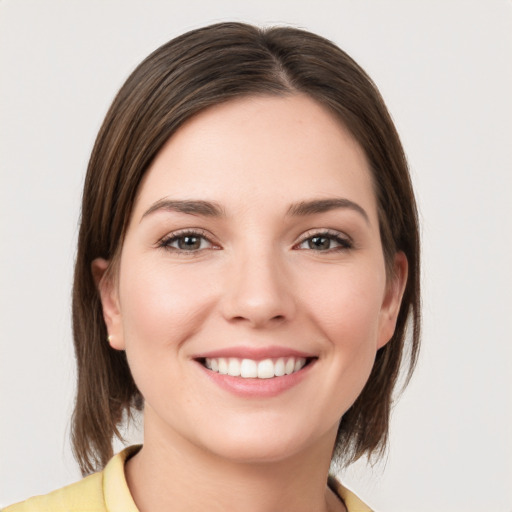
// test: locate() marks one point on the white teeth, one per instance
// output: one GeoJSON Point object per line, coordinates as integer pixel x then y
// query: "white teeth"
{"type": "Point", "coordinates": [251, 369]}
{"type": "Point", "coordinates": [233, 367]}
{"type": "Point", "coordinates": [279, 368]}
{"type": "Point", "coordinates": [265, 369]}
{"type": "Point", "coordinates": [223, 366]}
{"type": "Point", "coordinates": [290, 366]}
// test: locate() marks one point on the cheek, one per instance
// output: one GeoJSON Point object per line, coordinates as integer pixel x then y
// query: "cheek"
{"type": "Point", "coordinates": [162, 307]}
{"type": "Point", "coordinates": [347, 304]}
{"type": "Point", "coordinates": [347, 308]}
{"type": "Point", "coordinates": [161, 304]}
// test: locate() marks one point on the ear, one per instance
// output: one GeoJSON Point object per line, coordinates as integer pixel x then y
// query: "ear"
{"type": "Point", "coordinates": [107, 289]}
{"type": "Point", "coordinates": [392, 299]}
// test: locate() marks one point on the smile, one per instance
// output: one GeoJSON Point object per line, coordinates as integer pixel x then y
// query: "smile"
{"type": "Point", "coordinates": [253, 369]}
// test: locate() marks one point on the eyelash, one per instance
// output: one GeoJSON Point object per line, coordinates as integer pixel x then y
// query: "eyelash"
{"type": "Point", "coordinates": [344, 243]}
{"type": "Point", "coordinates": [165, 243]}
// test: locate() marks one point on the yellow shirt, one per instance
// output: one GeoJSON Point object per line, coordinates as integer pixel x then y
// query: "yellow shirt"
{"type": "Point", "coordinates": [107, 491]}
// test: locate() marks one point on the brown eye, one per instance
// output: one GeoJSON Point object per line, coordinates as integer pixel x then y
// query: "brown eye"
{"type": "Point", "coordinates": [324, 242]}
{"type": "Point", "coordinates": [319, 243]}
{"type": "Point", "coordinates": [186, 242]}
{"type": "Point", "coordinates": [189, 243]}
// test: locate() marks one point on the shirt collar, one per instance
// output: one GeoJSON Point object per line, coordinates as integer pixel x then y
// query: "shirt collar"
{"type": "Point", "coordinates": [115, 489]}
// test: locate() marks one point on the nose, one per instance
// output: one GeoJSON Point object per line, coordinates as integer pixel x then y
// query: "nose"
{"type": "Point", "coordinates": [258, 291]}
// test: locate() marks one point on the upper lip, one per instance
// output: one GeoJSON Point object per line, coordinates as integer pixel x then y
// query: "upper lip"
{"type": "Point", "coordinates": [255, 353]}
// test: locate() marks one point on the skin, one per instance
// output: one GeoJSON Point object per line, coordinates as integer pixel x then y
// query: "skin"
{"type": "Point", "coordinates": [256, 279]}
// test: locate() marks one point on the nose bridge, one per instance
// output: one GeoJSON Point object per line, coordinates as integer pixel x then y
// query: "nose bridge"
{"type": "Point", "coordinates": [257, 288]}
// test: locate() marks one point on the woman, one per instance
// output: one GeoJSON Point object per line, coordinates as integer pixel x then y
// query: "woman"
{"type": "Point", "coordinates": [247, 265]}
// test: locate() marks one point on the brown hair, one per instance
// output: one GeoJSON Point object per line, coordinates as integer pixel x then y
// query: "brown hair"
{"type": "Point", "coordinates": [196, 70]}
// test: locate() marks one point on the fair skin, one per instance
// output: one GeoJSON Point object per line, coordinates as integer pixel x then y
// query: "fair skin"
{"type": "Point", "coordinates": [255, 237]}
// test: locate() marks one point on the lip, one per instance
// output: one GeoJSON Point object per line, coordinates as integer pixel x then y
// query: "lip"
{"type": "Point", "coordinates": [255, 353]}
{"type": "Point", "coordinates": [256, 388]}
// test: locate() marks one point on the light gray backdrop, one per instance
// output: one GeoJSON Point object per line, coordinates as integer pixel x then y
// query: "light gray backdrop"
{"type": "Point", "coordinates": [444, 68]}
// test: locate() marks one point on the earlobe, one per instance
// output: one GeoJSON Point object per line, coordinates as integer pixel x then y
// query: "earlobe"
{"type": "Point", "coordinates": [393, 298]}
{"type": "Point", "coordinates": [107, 289]}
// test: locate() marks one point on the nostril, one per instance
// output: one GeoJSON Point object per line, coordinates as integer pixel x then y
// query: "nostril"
{"type": "Point", "coordinates": [278, 317]}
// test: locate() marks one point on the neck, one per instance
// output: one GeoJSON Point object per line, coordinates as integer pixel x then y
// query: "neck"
{"type": "Point", "coordinates": [169, 473]}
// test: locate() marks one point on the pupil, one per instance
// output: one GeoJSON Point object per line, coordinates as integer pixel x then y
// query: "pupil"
{"type": "Point", "coordinates": [189, 242]}
{"type": "Point", "coordinates": [319, 242]}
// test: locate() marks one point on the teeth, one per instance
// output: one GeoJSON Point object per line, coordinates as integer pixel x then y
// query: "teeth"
{"type": "Point", "coordinates": [279, 368]}
{"type": "Point", "coordinates": [265, 369]}
{"type": "Point", "coordinates": [233, 367]}
{"type": "Point", "coordinates": [223, 366]}
{"type": "Point", "coordinates": [289, 366]}
{"type": "Point", "coordinates": [250, 369]}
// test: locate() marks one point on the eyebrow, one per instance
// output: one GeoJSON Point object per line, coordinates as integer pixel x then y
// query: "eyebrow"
{"type": "Point", "coordinates": [213, 209]}
{"type": "Point", "coordinates": [304, 208]}
{"type": "Point", "coordinates": [191, 207]}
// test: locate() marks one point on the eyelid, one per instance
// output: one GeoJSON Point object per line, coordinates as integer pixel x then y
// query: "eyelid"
{"type": "Point", "coordinates": [166, 240]}
{"type": "Point", "coordinates": [333, 234]}
{"type": "Point", "coordinates": [324, 231]}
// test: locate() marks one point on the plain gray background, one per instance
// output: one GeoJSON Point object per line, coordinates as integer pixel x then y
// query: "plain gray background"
{"type": "Point", "coordinates": [444, 69]}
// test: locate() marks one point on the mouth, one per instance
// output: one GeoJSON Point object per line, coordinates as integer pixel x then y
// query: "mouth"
{"type": "Point", "coordinates": [245, 368]}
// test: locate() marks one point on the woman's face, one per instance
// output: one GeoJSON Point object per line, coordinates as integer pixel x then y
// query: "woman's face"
{"type": "Point", "coordinates": [251, 294]}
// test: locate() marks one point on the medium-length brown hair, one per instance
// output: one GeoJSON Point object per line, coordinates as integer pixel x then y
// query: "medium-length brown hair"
{"type": "Point", "coordinates": [194, 71]}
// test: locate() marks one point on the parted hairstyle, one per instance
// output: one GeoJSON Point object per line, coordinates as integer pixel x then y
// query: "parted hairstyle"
{"type": "Point", "coordinates": [192, 72]}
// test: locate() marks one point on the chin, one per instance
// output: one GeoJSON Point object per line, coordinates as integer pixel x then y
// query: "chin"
{"type": "Point", "coordinates": [257, 452]}
{"type": "Point", "coordinates": [267, 443]}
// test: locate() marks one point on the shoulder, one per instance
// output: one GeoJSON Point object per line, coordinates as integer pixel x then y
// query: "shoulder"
{"type": "Point", "coordinates": [87, 494]}
{"type": "Point", "coordinates": [106, 491]}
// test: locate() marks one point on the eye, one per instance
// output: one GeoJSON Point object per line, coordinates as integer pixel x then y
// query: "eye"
{"type": "Point", "coordinates": [325, 241]}
{"type": "Point", "coordinates": [186, 241]}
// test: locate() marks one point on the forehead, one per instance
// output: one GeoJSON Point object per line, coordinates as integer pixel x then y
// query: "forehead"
{"type": "Point", "coordinates": [269, 149]}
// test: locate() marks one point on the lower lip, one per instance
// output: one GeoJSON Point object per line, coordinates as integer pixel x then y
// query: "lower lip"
{"type": "Point", "coordinates": [257, 388]}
